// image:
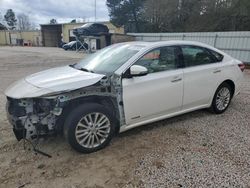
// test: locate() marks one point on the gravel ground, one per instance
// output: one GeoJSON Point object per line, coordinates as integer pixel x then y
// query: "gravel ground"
{"type": "Point", "coordinates": [198, 149]}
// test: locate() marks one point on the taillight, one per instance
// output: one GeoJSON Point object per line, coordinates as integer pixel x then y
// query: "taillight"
{"type": "Point", "coordinates": [242, 66]}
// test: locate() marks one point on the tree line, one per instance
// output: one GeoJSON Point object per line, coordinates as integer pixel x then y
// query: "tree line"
{"type": "Point", "coordinates": [180, 15]}
{"type": "Point", "coordinates": [20, 22]}
{"type": "Point", "coordinates": [11, 21]}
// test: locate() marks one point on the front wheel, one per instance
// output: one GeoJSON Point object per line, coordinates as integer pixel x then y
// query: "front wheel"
{"type": "Point", "coordinates": [89, 128]}
{"type": "Point", "coordinates": [222, 98]}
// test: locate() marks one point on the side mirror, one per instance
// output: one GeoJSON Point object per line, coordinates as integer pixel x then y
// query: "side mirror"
{"type": "Point", "coordinates": [138, 70]}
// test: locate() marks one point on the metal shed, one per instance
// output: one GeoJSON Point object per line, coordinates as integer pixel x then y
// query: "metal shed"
{"type": "Point", "coordinates": [51, 35]}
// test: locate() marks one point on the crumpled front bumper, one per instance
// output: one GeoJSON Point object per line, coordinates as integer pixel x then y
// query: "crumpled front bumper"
{"type": "Point", "coordinates": [15, 121]}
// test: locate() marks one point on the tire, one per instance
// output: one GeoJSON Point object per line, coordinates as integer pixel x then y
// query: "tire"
{"type": "Point", "coordinates": [222, 99]}
{"type": "Point", "coordinates": [82, 131]}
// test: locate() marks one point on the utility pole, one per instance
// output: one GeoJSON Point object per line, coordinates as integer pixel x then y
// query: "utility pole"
{"type": "Point", "coordinates": [95, 10]}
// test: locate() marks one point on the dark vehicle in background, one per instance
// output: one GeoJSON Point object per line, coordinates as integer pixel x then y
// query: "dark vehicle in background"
{"type": "Point", "coordinates": [73, 45]}
{"type": "Point", "coordinates": [61, 44]}
{"type": "Point", "coordinates": [91, 29]}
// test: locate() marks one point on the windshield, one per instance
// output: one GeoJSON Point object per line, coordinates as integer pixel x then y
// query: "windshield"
{"type": "Point", "coordinates": [109, 59]}
{"type": "Point", "coordinates": [86, 25]}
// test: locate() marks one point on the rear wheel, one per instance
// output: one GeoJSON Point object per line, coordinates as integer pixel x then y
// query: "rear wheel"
{"type": "Point", "coordinates": [222, 98]}
{"type": "Point", "coordinates": [89, 128]}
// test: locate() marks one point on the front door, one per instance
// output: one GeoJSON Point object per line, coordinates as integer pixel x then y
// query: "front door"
{"type": "Point", "coordinates": [158, 93]}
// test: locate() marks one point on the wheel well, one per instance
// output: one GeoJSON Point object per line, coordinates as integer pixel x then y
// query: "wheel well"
{"type": "Point", "coordinates": [232, 85]}
{"type": "Point", "coordinates": [105, 101]}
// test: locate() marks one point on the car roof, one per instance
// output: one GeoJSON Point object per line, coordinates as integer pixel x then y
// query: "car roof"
{"type": "Point", "coordinates": [89, 24]}
{"type": "Point", "coordinates": [174, 42]}
{"type": "Point", "coordinates": [171, 42]}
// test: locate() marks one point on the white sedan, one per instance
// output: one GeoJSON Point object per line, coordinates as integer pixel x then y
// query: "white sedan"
{"type": "Point", "coordinates": [121, 87]}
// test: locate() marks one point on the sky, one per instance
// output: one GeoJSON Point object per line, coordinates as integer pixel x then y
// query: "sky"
{"type": "Point", "coordinates": [41, 11]}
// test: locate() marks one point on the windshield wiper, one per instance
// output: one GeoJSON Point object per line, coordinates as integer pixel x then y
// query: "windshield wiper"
{"type": "Point", "coordinates": [73, 65]}
{"type": "Point", "coordinates": [85, 70]}
{"type": "Point", "coordinates": [81, 68]}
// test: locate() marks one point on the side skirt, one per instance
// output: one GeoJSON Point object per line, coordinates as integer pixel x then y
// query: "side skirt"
{"type": "Point", "coordinates": [128, 127]}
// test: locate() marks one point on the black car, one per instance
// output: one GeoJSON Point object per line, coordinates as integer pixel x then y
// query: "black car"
{"type": "Point", "coordinates": [73, 45]}
{"type": "Point", "coordinates": [91, 29]}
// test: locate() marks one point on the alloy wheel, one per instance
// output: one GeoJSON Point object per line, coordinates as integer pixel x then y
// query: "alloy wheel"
{"type": "Point", "coordinates": [223, 98]}
{"type": "Point", "coordinates": [92, 130]}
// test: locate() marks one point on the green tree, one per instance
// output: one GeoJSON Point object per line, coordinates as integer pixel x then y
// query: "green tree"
{"type": "Point", "coordinates": [240, 15]}
{"type": "Point", "coordinates": [124, 12]}
{"type": "Point", "coordinates": [10, 18]}
{"type": "Point", "coordinates": [2, 27]}
{"type": "Point", "coordinates": [160, 15]}
{"type": "Point", "coordinates": [53, 21]}
{"type": "Point", "coordinates": [181, 15]}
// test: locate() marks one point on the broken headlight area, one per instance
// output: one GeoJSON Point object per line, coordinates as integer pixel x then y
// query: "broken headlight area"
{"type": "Point", "coordinates": [32, 118]}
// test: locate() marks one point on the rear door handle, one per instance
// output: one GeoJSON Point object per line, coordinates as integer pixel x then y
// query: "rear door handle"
{"type": "Point", "coordinates": [217, 71]}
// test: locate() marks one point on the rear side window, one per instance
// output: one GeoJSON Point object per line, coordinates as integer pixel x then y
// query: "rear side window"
{"type": "Point", "coordinates": [194, 56]}
{"type": "Point", "coordinates": [217, 55]}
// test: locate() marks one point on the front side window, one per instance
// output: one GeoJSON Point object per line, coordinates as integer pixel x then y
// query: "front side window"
{"type": "Point", "coordinates": [194, 56]}
{"type": "Point", "coordinates": [160, 59]}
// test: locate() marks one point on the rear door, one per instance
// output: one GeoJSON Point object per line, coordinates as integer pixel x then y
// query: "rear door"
{"type": "Point", "coordinates": [158, 93]}
{"type": "Point", "coordinates": [201, 76]}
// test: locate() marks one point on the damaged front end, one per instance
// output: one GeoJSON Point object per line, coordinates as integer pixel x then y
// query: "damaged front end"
{"type": "Point", "coordinates": [38, 106]}
{"type": "Point", "coordinates": [32, 118]}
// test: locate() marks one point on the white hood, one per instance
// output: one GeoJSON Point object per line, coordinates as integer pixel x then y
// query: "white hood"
{"type": "Point", "coordinates": [52, 81]}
